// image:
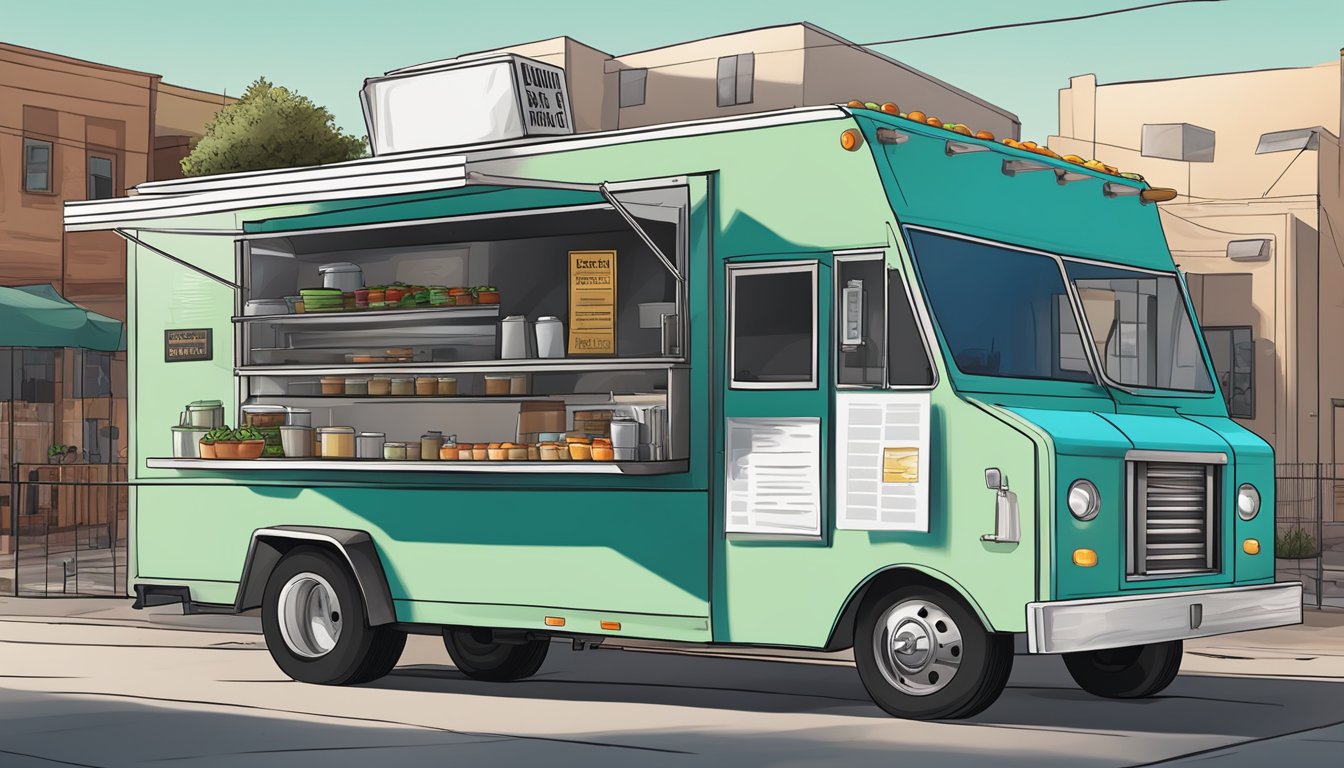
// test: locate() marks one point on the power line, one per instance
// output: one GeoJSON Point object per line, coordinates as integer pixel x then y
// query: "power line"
{"type": "Point", "coordinates": [859, 46]}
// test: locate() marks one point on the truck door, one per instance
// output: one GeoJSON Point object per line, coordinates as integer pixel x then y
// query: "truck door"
{"type": "Point", "coordinates": [775, 468]}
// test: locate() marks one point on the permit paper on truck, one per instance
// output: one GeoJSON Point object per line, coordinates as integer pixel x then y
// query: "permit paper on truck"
{"type": "Point", "coordinates": [882, 461]}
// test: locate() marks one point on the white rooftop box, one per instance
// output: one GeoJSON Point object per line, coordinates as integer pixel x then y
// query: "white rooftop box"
{"type": "Point", "coordinates": [454, 103]}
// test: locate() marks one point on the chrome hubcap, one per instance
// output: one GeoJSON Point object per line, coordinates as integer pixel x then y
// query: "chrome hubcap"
{"type": "Point", "coordinates": [310, 615]}
{"type": "Point", "coordinates": [918, 647]}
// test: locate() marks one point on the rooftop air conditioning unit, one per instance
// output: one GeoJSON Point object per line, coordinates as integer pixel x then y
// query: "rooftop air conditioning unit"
{"type": "Point", "coordinates": [456, 103]}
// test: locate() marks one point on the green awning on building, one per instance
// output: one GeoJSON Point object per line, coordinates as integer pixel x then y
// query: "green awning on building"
{"type": "Point", "coordinates": [38, 316]}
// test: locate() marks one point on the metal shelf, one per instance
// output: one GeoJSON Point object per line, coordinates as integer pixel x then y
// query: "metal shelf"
{"type": "Point", "coordinates": [524, 365]}
{"type": "Point", "coordinates": [327, 401]}
{"type": "Point", "coordinates": [387, 316]}
{"type": "Point", "coordinates": [374, 465]}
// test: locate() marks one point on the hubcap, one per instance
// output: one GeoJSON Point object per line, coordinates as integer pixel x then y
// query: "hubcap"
{"type": "Point", "coordinates": [310, 615]}
{"type": "Point", "coordinates": [918, 647]}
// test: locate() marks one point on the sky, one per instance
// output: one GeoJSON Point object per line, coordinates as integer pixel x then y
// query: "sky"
{"type": "Point", "coordinates": [325, 49]}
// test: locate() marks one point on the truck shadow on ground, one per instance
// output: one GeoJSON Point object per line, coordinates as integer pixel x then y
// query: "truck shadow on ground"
{"type": "Point", "coordinates": [1040, 695]}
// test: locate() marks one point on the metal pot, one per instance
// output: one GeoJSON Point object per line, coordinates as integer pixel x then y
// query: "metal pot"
{"type": "Point", "coordinates": [296, 441]}
{"type": "Point", "coordinates": [203, 413]}
{"type": "Point", "coordinates": [187, 442]}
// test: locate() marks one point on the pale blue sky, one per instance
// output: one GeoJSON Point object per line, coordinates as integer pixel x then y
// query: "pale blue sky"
{"type": "Point", "coordinates": [326, 49]}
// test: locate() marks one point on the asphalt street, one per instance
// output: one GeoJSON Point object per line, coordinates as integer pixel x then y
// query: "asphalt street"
{"type": "Point", "coordinates": [80, 691]}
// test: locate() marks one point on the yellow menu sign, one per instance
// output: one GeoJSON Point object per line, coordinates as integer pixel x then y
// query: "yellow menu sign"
{"type": "Point", "coordinates": [592, 302]}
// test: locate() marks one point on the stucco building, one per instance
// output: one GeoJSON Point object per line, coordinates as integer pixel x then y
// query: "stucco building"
{"type": "Point", "coordinates": [793, 65]}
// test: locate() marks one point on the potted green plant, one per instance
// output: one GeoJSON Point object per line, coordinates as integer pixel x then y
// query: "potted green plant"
{"type": "Point", "coordinates": [212, 439]}
{"type": "Point", "coordinates": [56, 453]}
{"type": "Point", "coordinates": [1295, 543]}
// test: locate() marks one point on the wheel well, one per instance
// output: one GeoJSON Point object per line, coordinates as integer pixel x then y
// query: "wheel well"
{"type": "Point", "coordinates": [355, 548]}
{"type": "Point", "coordinates": [881, 582]}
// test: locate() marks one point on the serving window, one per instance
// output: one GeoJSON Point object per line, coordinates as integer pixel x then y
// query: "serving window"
{"type": "Point", "coordinates": [526, 333]}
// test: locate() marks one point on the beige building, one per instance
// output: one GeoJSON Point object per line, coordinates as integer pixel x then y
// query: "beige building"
{"type": "Point", "coordinates": [1256, 228]}
{"type": "Point", "coordinates": [795, 65]}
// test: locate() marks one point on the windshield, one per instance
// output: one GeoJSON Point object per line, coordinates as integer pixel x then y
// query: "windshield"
{"type": "Point", "coordinates": [1002, 312]}
{"type": "Point", "coordinates": [1140, 326]}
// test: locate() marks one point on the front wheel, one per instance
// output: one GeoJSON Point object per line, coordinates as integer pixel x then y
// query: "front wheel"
{"type": "Point", "coordinates": [924, 655]}
{"type": "Point", "coordinates": [313, 619]}
{"type": "Point", "coordinates": [1133, 672]}
{"type": "Point", "coordinates": [476, 654]}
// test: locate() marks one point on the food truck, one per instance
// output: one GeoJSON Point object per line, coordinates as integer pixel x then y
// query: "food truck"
{"type": "Point", "coordinates": [821, 378]}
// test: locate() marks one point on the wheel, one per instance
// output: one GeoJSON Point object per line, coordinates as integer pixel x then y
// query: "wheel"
{"type": "Point", "coordinates": [476, 654]}
{"type": "Point", "coordinates": [924, 655]}
{"type": "Point", "coordinates": [1133, 672]}
{"type": "Point", "coordinates": [313, 619]}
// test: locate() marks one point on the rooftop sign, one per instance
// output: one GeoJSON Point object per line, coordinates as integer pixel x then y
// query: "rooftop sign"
{"type": "Point", "coordinates": [456, 103]}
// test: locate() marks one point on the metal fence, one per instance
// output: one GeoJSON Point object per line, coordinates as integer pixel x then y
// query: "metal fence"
{"type": "Point", "coordinates": [66, 532]}
{"type": "Point", "coordinates": [1309, 530]}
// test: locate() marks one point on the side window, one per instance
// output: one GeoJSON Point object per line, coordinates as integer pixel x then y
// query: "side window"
{"type": "Point", "coordinates": [908, 363]}
{"type": "Point", "coordinates": [861, 331]}
{"type": "Point", "coordinates": [773, 326]}
{"type": "Point", "coordinates": [1233, 354]}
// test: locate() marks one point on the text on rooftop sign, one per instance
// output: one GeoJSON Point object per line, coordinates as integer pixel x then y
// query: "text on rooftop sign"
{"type": "Point", "coordinates": [545, 102]}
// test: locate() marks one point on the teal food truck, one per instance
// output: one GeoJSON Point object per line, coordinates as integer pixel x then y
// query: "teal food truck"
{"type": "Point", "coordinates": [820, 379]}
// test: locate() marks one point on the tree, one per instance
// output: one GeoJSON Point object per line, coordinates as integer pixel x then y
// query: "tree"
{"type": "Point", "coordinates": [270, 127]}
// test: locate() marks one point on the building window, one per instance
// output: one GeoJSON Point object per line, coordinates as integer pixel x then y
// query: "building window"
{"type": "Point", "coordinates": [633, 82]}
{"type": "Point", "coordinates": [772, 316]}
{"type": "Point", "coordinates": [100, 178]}
{"type": "Point", "coordinates": [1233, 354]}
{"type": "Point", "coordinates": [736, 74]}
{"type": "Point", "coordinates": [36, 165]}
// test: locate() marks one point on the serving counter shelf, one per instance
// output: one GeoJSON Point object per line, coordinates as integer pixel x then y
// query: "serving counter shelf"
{"type": "Point", "coordinates": [374, 465]}
{"type": "Point", "coordinates": [377, 316]}
{"type": "Point", "coordinates": [520, 365]}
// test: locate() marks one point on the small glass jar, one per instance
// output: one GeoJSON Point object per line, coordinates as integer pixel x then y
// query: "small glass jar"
{"type": "Point", "coordinates": [403, 386]}
{"type": "Point", "coordinates": [413, 450]}
{"type": "Point", "coordinates": [369, 445]}
{"type": "Point", "coordinates": [518, 384]}
{"type": "Point", "coordinates": [333, 385]}
{"type": "Point", "coordinates": [336, 442]}
{"type": "Point", "coordinates": [394, 451]}
{"type": "Point", "coordinates": [426, 386]}
{"type": "Point", "coordinates": [496, 385]}
{"type": "Point", "coordinates": [447, 386]}
{"type": "Point", "coordinates": [358, 386]}
{"type": "Point", "coordinates": [430, 443]}
{"type": "Point", "coordinates": [380, 386]}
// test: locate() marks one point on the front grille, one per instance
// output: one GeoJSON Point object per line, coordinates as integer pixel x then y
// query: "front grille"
{"type": "Point", "coordinates": [1172, 518]}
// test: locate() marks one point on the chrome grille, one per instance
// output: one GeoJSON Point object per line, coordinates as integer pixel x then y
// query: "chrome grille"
{"type": "Point", "coordinates": [1172, 518]}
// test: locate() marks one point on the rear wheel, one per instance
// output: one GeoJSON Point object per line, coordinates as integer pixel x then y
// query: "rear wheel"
{"type": "Point", "coordinates": [924, 655]}
{"type": "Point", "coordinates": [478, 655]}
{"type": "Point", "coordinates": [1133, 672]}
{"type": "Point", "coordinates": [313, 619]}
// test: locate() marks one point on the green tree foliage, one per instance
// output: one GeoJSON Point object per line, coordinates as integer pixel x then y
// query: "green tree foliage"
{"type": "Point", "coordinates": [270, 127]}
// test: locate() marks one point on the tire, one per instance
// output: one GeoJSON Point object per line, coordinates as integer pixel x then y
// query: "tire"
{"type": "Point", "coordinates": [338, 650]}
{"type": "Point", "coordinates": [964, 674]}
{"type": "Point", "coordinates": [479, 658]}
{"type": "Point", "coordinates": [1133, 672]}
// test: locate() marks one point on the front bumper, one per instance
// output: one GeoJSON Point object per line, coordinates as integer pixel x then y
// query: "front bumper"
{"type": "Point", "coordinates": [1065, 626]}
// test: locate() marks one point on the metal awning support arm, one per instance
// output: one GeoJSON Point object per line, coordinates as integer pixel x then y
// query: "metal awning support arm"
{"type": "Point", "coordinates": [630, 219]}
{"type": "Point", "coordinates": [133, 239]}
{"type": "Point", "coordinates": [512, 181]}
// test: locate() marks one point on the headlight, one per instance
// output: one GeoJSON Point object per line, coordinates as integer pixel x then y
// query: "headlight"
{"type": "Point", "coordinates": [1248, 502]}
{"type": "Point", "coordinates": [1084, 500]}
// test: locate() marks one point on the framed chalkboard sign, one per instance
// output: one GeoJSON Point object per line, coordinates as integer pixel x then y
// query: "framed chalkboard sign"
{"type": "Point", "coordinates": [186, 344]}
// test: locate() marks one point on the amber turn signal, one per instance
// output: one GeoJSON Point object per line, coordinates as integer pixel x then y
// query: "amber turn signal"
{"type": "Point", "coordinates": [851, 139]}
{"type": "Point", "coordinates": [1250, 547]}
{"type": "Point", "coordinates": [1084, 558]}
{"type": "Point", "coordinates": [555, 621]}
{"type": "Point", "coordinates": [613, 626]}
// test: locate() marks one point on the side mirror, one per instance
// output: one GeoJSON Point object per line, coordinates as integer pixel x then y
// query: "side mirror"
{"type": "Point", "coordinates": [993, 479]}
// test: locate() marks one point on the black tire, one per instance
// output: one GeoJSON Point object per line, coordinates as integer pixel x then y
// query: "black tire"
{"type": "Point", "coordinates": [983, 659]}
{"type": "Point", "coordinates": [360, 654]}
{"type": "Point", "coordinates": [1133, 672]}
{"type": "Point", "coordinates": [479, 658]}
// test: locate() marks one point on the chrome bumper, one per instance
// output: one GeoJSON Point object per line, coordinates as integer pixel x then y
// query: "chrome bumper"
{"type": "Point", "coordinates": [1113, 622]}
